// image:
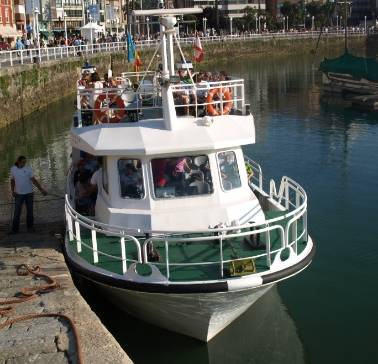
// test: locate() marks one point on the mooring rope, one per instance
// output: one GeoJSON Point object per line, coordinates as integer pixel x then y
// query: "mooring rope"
{"type": "Point", "coordinates": [30, 293]}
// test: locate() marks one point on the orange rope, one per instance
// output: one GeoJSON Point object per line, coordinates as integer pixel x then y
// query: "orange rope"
{"type": "Point", "coordinates": [29, 293]}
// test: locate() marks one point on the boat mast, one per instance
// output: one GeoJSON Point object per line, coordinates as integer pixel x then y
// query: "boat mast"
{"type": "Point", "coordinates": [346, 27]}
{"type": "Point", "coordinates": [167, 28]}
{"type": "Point", "coordinates": [346, 3]}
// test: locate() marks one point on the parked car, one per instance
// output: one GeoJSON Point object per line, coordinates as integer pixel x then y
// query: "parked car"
{"type": "Point", "coordinates": [4, 46]}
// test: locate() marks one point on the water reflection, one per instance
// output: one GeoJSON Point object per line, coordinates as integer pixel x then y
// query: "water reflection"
{"type": "Point", "coordinates": [42, 135]}
{"type": "Point", "coordinates": [43, 138]}
{"type": "Point", "coordinates": [264, 334]}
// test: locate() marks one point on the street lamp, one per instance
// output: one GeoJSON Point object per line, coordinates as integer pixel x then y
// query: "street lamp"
{"type": "Point", "coordinates": [65, 28]}
{"type": "Point", "coordinates": [36, 13]}
{"type": "Point", "coordinates": [260, 17]}
{"type": "Point", "coordinates": [205, 20]}
{"type": "Point", "coordinates": [365, 24]}
{"type": "Point", "coordinates": [287, 23]}
{"type": "Point", "coordinates": [148, 27]}
{"type": "Point", "coordinates": [256, 23]}
{"type": "Point", "coordinates": [231, 25]}
{"type": "Point", "coordinates": [337, 22]}
{"type": "Point", "coordinates": [283, 23]}
{"type": "Point", "coordinates": [312, 23]}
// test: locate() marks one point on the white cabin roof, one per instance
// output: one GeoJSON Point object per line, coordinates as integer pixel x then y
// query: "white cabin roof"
{"type": "Point", "coordinates": [149, 137]}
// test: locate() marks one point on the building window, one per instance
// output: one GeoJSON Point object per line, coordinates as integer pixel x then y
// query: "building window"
{"type": "Point", "coordinates": [131, 178]}
{"type": "Point", "coordinates": [228, 169]}
{"type": "Point", "coordinates": [181, 176]}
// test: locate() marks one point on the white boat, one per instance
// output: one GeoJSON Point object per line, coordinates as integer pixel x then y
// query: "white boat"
{"type": "Point", "coordinates": [184, 234]}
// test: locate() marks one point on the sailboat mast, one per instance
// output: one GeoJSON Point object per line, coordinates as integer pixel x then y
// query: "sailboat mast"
{"type": "Point", "coordinates": [346, 26]}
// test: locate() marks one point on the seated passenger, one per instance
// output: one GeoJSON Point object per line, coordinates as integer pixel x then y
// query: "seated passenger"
{"type": "Point", "coordinates": [83, 194]}
{"type": "Point", "coordinates": [178, 175]}
{"type": "Point", "coordinates": [229, 172]}
{"type": "Point", "coordinates": [131, 182]}
{"type": "Point", "coordinates": [158, 170]}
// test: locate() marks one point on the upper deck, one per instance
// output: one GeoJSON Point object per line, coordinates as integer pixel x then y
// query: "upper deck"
{"type": "Point", "coordinates": [130, 115]}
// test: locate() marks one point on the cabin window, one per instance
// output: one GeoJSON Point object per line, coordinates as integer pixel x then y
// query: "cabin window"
{"type": "Point", "coordinates": [104, 174]}
{"type": "Point", "coordinates": [181, 176]}
{"type": "Point", "coordinates": [131, 178]}
{"type": "Point", "coordinates": [229, 171]}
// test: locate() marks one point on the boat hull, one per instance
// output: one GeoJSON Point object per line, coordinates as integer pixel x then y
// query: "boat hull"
{"type": "Point", "coordinates": [198, 315]}
{"type": "Point", "coordinates": [339, 83]}
{"type": "Point", "coordinates": [197, 309]}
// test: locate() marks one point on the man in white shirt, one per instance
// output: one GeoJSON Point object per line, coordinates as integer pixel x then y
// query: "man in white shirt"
{"type": "Point", "coordinates": [22, 180]}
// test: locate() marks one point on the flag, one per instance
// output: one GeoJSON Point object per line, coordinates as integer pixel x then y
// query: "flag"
{"type": "Point", "coordinates": [198, 51]}
{"type": "Point", "coordinates": [138, 62]}
{"type": "Point", "coordinates": [130, 48]}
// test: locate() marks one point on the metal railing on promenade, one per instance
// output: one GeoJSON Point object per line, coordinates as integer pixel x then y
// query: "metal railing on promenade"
{"type": "Point", "coordinates": [45, 54]}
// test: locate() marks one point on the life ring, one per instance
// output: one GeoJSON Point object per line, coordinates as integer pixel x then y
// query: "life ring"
{"type": "Point", "coordinates": [107, 114]}
{"type": "Point", "coordinates": [226, 95]}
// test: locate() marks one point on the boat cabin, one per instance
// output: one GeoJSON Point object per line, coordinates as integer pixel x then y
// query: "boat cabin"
{"type": "Point", "coordinates": [156, 181]}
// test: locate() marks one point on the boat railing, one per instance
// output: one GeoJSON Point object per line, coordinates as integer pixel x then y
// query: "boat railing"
{"type": "Point", "coordinates": [209, 98]}
{"type": "Point", "coordinates": [115, 104]}
{"type": "Point", "coordinates": [290, 225]}
{"type": "Point", "coordinates": [128, 101]}
{"type": "Point", "coordinates": [78, 224]}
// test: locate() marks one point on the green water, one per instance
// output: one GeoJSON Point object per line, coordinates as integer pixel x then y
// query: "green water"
{"type": "Point", "coordinates": [326, 314]}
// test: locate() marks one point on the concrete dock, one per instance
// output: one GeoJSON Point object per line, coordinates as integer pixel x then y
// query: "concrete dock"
{"type": "Point", "coordinates": [48, 339]}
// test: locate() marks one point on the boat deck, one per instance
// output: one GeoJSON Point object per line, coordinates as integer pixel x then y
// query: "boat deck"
{"type": "Point", "coordinates": [188, 261]}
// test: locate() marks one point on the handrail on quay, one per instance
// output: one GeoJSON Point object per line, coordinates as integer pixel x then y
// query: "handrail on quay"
{"type": "Point", "coordinates": [45, 54]}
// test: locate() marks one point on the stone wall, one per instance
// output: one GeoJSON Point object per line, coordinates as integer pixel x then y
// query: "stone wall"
{"type": "Point", "coordinates": [28, 88]}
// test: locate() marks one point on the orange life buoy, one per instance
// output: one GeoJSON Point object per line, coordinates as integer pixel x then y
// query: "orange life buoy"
{"type": "Point", "coordinates": [108, 115]}
{"type": "Point", "coordinates": [226, 96]}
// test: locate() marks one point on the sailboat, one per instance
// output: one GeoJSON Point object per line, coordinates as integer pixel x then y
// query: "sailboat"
{"type": "Point", "coordinates": [349, 74]}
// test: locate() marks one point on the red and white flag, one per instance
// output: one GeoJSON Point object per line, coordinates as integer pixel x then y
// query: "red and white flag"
{"type": "Point", "coordinates": [198, 51]}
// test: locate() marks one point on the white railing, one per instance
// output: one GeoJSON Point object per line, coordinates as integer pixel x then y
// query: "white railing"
{"type": "Point", "coordinates": [124, 103]}
{"type": "Point", "coordinates": [291, 198]}
{"type": "Point", "coordinates": [210, 98]}
{"type": "Point", "coordinates": [38, 55]}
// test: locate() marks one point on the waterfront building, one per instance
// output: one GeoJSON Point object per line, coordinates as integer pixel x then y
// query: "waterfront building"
{"type": "Point", "coordinates": [231, 8]}
{"type": "Point", "coordinates": [8, 31]}
{"type": "Point", "coordinates": [19, 15]}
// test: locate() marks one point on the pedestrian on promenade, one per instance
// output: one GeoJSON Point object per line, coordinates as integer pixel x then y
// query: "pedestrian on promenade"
{"type": "Point", "coordinates": [22, 180]}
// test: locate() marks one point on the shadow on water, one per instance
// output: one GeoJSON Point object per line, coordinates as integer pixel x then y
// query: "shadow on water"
{"type": "Point", "coordinates": [34, 135]}
{"type": "Point", "coordinates": [264, 334]}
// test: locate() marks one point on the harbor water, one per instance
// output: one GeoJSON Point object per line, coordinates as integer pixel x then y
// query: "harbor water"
{"type": "Point", "coordinates": [327, 313]}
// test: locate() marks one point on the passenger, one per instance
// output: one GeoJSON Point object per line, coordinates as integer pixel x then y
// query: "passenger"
{"type": "Point", "coordinates": [182, 97]}
{"type": "Point", "coordinates": [159, 167]}
{"type": "Point", "coordinates": [109, 82]}
{"type": "Point", "coordinates": [90, 162]}
{"type": "Point", "coordinates": [84, 194]}
{"type": "Point", "coordinates": [229, 172]}
{"type": "Point", "coordinates": [178, 175]}
{"type": "Point", "coordinates": [131, 183]}
{"type": "Point", "coordinates": [96, 179]}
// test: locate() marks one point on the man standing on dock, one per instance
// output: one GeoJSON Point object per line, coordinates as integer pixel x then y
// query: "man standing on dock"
{"type": "Point", "coordinates": [22, 180]}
